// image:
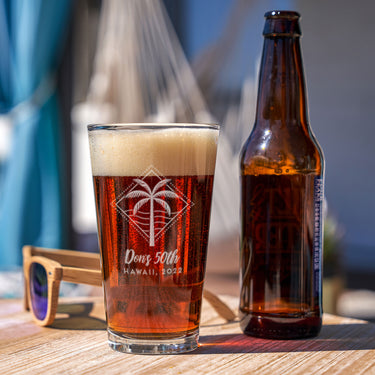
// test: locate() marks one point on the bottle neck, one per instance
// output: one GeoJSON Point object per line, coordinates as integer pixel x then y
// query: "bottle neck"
{"type": "Point", "coordinates": [282, 94]}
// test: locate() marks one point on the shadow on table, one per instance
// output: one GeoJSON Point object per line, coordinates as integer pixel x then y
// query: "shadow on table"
{"type": "Point", "coordinates": [339, 337]}
{"type": "Point", "coordinates": [77, 316]}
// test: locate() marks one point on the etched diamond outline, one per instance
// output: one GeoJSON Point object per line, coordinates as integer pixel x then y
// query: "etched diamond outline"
{"type": "Point", "coordinates": [132, 219]}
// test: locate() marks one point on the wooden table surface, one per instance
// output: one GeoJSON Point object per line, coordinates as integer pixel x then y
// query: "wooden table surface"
{"type": "Point", "coordinates": [76, 344]}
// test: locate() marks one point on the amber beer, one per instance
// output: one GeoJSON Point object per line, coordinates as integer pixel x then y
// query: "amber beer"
{"type": "Point", "coordinates": [153, 188]}
{"type": "Point", "coordinates": [282, 170]}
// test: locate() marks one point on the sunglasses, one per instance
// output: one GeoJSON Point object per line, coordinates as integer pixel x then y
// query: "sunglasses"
{"type": "Point", "coordinates": [43, 271]}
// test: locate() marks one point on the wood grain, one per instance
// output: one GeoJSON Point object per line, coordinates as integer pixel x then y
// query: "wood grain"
{"type": "Point", "coordinates": [76, 344]}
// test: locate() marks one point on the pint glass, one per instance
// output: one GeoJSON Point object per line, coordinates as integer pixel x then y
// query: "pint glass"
{"type": "Point", "coordinates": [153, 187]}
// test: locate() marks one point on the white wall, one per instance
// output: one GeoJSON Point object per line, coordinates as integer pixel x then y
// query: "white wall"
{"type": "Point", "coordinates": [339, 57]}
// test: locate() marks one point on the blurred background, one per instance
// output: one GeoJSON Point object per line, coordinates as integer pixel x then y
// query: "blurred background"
{"type": "Point", "coordinates": [65, 64]}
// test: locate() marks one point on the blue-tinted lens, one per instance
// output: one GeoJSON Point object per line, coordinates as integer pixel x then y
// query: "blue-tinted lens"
{"type": "Point", "coordinates": [39, 290]}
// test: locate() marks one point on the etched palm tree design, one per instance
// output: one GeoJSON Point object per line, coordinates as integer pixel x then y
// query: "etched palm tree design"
{"type": "Point", "coordinates": [153, 196]}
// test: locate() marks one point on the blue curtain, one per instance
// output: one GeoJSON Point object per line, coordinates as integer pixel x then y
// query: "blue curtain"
{"type": "Point", "coordinates": [31, 206]}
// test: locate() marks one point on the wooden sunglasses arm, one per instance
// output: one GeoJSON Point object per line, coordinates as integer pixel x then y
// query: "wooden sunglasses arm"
{"type": "Point", "coordinates": [82, 276]}
{"type": "Point", "coordinates": [66, 257]}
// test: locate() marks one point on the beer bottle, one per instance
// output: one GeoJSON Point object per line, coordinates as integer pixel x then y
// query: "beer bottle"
{"type": "Point", "coordinates": [282, 170]}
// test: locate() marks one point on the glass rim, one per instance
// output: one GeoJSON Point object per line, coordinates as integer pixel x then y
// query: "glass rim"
{"type": "Point", "coordinates": [152, 126]}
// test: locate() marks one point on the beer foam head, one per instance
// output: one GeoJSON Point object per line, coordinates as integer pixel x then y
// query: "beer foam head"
{"type": "Point", "coordinates": [173, 151]}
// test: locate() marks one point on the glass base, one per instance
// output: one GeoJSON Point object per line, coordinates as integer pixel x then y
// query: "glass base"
{"type": "Point", "coordinates": [167, 346]}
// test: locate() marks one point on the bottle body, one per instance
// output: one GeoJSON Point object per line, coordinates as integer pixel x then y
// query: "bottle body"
{"type": "Point", "coordinates": [282, 179]}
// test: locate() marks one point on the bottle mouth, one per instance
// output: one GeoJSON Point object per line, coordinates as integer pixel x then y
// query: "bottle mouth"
{"type": "Point", "coordinates": [282, 23]}
{"type": "Point", "coordinates": [282, 14]}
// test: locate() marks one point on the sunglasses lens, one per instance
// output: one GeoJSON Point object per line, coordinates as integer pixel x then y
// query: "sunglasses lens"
{"type": "Point", "coordinates": [39, 290]}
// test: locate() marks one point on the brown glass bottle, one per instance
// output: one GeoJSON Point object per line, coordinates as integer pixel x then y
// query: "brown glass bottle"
{"type": "Point", "coordinates": [282, 169]}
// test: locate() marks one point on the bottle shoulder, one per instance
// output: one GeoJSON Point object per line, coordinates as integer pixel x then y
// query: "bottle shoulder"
{"type": "Point", "coordinates": [281, 150]}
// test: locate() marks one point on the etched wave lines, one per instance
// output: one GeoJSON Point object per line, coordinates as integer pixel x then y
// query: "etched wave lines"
{"type": "Point", "coordinates": [142, 219]}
